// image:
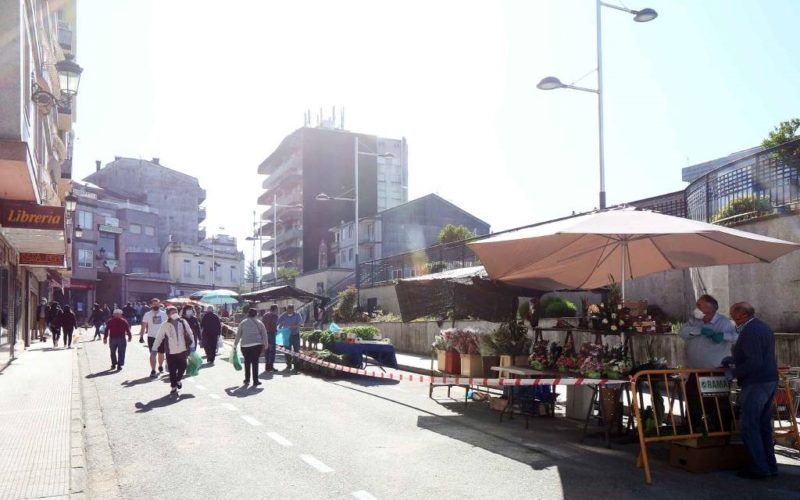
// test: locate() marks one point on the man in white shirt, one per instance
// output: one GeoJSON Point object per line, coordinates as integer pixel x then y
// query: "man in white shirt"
{"type": "Point", "coordinates": [151, 323]}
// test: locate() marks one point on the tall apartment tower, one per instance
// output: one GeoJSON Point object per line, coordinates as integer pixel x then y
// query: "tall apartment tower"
{"type": "Point", "coordinates": [315, 160]}
{"type": "Point", "coordinates": [174, 195]}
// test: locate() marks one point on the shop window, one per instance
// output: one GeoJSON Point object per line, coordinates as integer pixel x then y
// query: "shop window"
{"type": "Point", "coordinates": [85, 258]}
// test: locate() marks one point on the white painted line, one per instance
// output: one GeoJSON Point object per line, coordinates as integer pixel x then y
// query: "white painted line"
{"type": "Point", "coordinates": [213, 396]}
{"type": "Point", "coordinates": [201, 387]}
{"type": "Point", "coordinates": [313, 462]}
{"type": "Point", "coordinates": [250, 420]}
{"type": "Point", "coordinates": [363, 495]}
{"type": "Point", "coordinates": [279, 439]}
{"type": "Point", "coordinates": [230, 407]}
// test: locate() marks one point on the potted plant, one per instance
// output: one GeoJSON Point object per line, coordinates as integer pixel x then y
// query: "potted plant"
{"type": "Point", "coordinates": [511, 343]}
{"type": "Point", "coordinates": [452, 360]}
{"type": "Point", "coordinates": [440, 346]}
{"type": "Point", "coordinates": [467, 344]}
{"type": "Point", "coordinates": [539, 359]}
{"type": "Point", "coordinates": [557, 310]}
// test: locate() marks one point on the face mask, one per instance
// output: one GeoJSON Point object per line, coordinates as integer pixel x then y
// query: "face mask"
{"type": "Point", "coordinates": [734, 324]}
{"type": "Point", "coordinates": [155, 308]}
{"type": "Point", "coordinates": [189, 313]}
{"type": "Point", "coordinates": [698, 314]}
{"type": "Point", "coordinates": [174, 316]}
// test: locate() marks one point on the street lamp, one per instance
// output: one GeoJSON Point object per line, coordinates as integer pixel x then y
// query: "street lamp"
{"type": "Point", "coordinates": [69, 78]}
{"type": "Point", "coordinates": [78, 232]}
{"type": "Point", "coordinates": [71, 202]}
{"type": "Point", "coordinates": [552, 83]}
{"type": "Point", "coordinates": [325, 197]}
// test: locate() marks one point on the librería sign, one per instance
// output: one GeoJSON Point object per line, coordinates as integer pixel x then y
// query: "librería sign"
{"type": "Point", "coordinates": [30, 215]}
{"type": "Point", "coordinates": [714, 385]}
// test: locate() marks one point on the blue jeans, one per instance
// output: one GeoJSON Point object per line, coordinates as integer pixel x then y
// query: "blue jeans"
{"type": "Point", "coordinates": [755, 401]}
{"type": "Point", "coordinates": [118, 346]}
{"type": "Point", "coordinates": [270, 356]}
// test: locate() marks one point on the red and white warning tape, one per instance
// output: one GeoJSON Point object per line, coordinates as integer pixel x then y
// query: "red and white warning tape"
{"type": "Point", "coordinates": [409, 377]}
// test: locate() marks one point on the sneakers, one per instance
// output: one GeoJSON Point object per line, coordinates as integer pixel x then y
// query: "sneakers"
{"type": "Point", "coordinates": [153, 374]}
{"type": "Point", "coordinates": [174, 390]}
{"type": "Point", "coordinates": [256, 383]}
{"type": "Point", "coordinates": [180, 386]}
{"type": "Point", "coordinates": [246, 381]}
{"type": "Point", "coordinates": [113, 367]}
{"type": "Point", "coordinates": [119, 368]}
{"type": "Point", "coordinates": [160, 369]}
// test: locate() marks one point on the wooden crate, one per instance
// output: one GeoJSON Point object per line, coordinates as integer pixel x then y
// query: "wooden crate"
{"type": "Point", "coordinates": [707, 459]}
{"type": "Point", "coordinates": [471, 365]}
{"type": "Point", "coordinates": [441, 360]}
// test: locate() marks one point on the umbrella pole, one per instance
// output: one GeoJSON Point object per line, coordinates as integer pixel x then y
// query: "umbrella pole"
{"type": "Point", "coordinates": [624, 258]}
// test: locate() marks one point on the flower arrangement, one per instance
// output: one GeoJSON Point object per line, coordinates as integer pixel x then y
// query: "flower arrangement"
{"type": "Point", "coordinates": [567, 363]}
{"type": "Point", "coordinates": [508, 340]}
{"type": "Point", "coordinates": [539, 357]}
{"type": "Point", "coordinates": [590, 360]}
{"type": "Point", "coordinates": [466, 341]}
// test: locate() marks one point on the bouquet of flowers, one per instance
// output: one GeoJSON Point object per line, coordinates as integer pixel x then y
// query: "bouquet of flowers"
{"type": "Point", "coordinates": [539, 358]}
{"type": "Point", "coordinates": [567, 363]}
{"type": "Point", "coordinates": [465, 341]}
{"type": "Point", "coordinates": [591, 360]}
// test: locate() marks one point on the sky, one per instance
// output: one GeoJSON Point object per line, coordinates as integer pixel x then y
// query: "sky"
{"type": "Point", "coordinates": [211, 88]}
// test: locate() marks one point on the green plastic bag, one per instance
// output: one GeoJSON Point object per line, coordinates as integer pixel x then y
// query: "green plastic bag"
{"type": "Point", "coordinates": [193, 364]}
{"type": "Point", "coordinates": [236, 360]}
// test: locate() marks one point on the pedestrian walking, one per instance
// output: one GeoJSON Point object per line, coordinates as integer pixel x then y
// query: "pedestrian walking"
{"type": "Point", "coordinates": [117, 328]}
{"type": "Point", "coordinates": [96, 320]}
{"type": "Point", "coordinates": [54, 321]}
{"type": "Point", "coordinates": [253, 336]}
{"type": "Point", "coordinates": [188, 315]}
{"type": "Point", "coordinates": [270, 320]}
{"type": "Point", "coordinates": [210, 329]}
{"type": "Point", "coordinates": [129, 313]}
{"type": "Point", "coordinates": [68, 323]}
{"type": "Point", "coordinates": [175, 336]}
{"type": "Point", "coordinates": [756, 370]}
{"type": "Point", "coordinates": [152, 321]}
{"type": "Point", "coordinates": [41, 320]}
{"type": "Point", "coordinates": [292, 321]}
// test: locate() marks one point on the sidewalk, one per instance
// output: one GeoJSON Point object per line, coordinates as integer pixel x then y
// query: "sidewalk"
{"type": "Point", "coordinates": [414, 363]}
{"type": "Point", "coordinates": [38, 450]}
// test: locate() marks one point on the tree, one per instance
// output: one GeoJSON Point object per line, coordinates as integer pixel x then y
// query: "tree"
{"type": "Point", "coordinates": [784, 132]}
{"type": "Point", "coordinates": [251, 273]}
{"type": "Point", "coordinates": [345, 310]}
{"type": "Point", "coordinates": [288, 273]}
{"type": "Point", "coordinates": [451, 233]}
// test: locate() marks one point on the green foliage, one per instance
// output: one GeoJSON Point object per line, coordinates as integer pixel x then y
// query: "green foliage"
{"type": "Point", "coordinates": [508, 340]}
{"type": "Point", "coordinates": [384, 317]}
{"type": "Point", "coordinates": [437, 267]}
{"type": "Point", "coordinates": [362, 332]}
{"type": "Point", "coordinates": [557, 307]}
{"type": "Point", "coordinates": [784, 132]}
{"type": "Point", "coordinates": [451, 233]}
{"type": "Point", "coordinates": [345, 310]}
{"type": "Point", "coordinates": [744, 205]}
{"type": "Point", "coordinates": [524, 310]}
{"type": "Point", "coordinates": [288, 273]}
{"type": "Point", "coordinates": [251, 273]}
{"type": "Point", "coordinates": [327, 339]}
{"type": "Point", "coordinates": [312, 338]}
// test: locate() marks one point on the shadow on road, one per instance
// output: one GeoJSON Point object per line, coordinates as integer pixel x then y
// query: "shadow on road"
{"type": "Point", "coordinates": [163, 401]}
{"type": "Point", "coordinates": [138, 381]}
{"type": "Point", "coordinates": [243, 391]}
{"type": "Point", "coordinates": [101, 374]}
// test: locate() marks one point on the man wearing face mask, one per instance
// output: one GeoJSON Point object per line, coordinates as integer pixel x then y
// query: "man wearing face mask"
{"type": "Point", "coordinates": [709, 339]}
{"type": "Point", "coordinates": [756, 370]}
{"type": "Point", "coordinates": [151, 323]}
{"type": "Point", "coordinates": [188, 315]}
{"type": "Point", "coordinates": [175, 336]}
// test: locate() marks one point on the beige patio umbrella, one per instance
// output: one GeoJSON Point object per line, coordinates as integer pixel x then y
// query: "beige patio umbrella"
{"type": "Point", "coordinates": [588, 251]}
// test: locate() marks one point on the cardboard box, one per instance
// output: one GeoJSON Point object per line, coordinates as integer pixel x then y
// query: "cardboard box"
{"type": "Point", "coordinates": [707, 459]}
{"type": "Point", "coordinates": [498, 404]}
{"type": "Point", "coordinates": [471, 365]}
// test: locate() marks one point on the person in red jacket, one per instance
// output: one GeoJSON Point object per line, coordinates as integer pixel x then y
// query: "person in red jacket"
{"type": "Point", "coordinates": [117, 328]}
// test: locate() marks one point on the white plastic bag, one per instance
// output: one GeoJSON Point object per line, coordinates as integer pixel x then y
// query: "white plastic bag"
{"type": "Point", "coordinates": [220, 342]}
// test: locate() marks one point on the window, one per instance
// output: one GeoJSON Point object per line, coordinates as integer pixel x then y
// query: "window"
{"type": "Point", "coordinates": [107, 244]}
{"type": "Point", "coordinates": [149, 230]}
{"type": "Point", "coordinates": [397, 274]}
{"type": "Point", "coordinates": [187, 269]}
{"type": "Point", "coordinates": [342, 259]}
{"type": "Point", "coordinates": [85, 258]}
{"type": "Point", "coordinates": [350, 255]}
{"type": "Point", "coordinates": [135, 228]}
{"type": "Point", "coordinates": [201, 270]}
{"type": "Point", "coordinates": [233, 274]}
{"type": "Point", "coordinates": [217, 271]}
{"type": "Point", "coordinates": [85, 219]}
{"type": "Point", "coordinates": [350, 231]}
{"type": "Point", "coordinates": [370, 232]}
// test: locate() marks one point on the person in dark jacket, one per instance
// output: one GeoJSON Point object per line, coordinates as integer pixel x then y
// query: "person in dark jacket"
{"type": "Point", "coordinates": [54, 321]}
{"type": "Point", "coordinates": [96, 320]}
{"type": "Point", "coordinates": [270, 320]}
{"type": "Point", "coordinates": [188, 314]}
{"type": "Point", "coordinates": [756, 370]}
{"type": "Point", "coordinates": [211, 328]}
{"type": "Point", "coordinates": [129, 313]}
{"type": "Point", "coordinates": [68, 323]}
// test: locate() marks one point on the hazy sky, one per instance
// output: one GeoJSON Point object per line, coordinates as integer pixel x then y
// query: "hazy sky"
{"type": "Point", "coordinates": [212, 87]}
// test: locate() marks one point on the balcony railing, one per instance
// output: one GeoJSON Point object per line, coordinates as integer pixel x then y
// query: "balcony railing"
{"type": "Point", "coordinates": [201, 214]}
{"type": "Point", "coordinates": [760, 184]}
{"type": "Point", "coordinates": [426, 261]}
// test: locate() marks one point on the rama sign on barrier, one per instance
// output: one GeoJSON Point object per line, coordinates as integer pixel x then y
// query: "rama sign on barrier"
{"type": "Point", "coordinates": [714, 386]}
{"type": "Point", "coordinates": [30, 215]}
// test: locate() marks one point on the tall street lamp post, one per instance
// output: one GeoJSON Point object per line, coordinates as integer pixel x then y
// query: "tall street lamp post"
{"type": "Point", "coordinates": [325, 197]}
{"type": "Point", "coordinates": [551, 82]}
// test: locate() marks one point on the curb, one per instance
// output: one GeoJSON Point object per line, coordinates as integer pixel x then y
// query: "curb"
{"type": "Point", "coordinates": [415, 369]}
{"type": "Point", "coordinates": [77, 458]}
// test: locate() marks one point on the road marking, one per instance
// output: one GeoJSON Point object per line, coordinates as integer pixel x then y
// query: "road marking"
{"type": "Point", "coordinates": [201, 387]}
{"type": "Point", "coordinates": [214, 396]}
{"type": "Point", "coordinates": [313, 462]}
{"type": "Point", "coordinates": [251, 420]}
{"type": "Point", "coordinates": [279, 439]}
{"type": "Point", "coordinates": [363, 495]}
{"type": "Point", "coordinates": [230, 407]}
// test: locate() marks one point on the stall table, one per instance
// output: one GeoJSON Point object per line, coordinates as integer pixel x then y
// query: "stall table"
{"type": "Point", "coordinates": [358, 352]}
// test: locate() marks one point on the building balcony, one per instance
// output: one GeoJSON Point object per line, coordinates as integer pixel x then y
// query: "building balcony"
{"type": "Point", "coordinates": [201, 234]}
{"type": "Point", "coordinates": [285, 214]}
{"type": "Point", "coordinates": [201, 214]}
{"type": "Point", "coordinates": [201, 196]}
{"type": "Point", "coordinates": [288, 173]}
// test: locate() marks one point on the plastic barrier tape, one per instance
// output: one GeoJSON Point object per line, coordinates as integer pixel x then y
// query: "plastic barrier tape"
{"type": "Point", "coordinates": [499, 382]}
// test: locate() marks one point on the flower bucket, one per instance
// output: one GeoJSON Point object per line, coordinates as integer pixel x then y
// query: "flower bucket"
{"type": "Point", "coordinates": [611, 406]}
{"type": "Point", "coordinates": [441, 360]}
{"type": "Point", "coordinates": [471, 365]}
{"type": "Point", "coordinates": [452, 363]}
{"type": "Point", "coordinates": [488, 363]}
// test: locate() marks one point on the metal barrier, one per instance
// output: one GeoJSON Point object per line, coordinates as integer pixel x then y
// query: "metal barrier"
{"type": "Point", "coordinates": [715, 417]}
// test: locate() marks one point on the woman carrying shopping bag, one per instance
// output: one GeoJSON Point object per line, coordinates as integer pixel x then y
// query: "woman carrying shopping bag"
{"type": "Point", "coordinates": [253, 335]}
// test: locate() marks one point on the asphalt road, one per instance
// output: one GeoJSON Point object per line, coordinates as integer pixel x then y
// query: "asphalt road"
{"type": "Point", "coordinates": [302, 436]}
